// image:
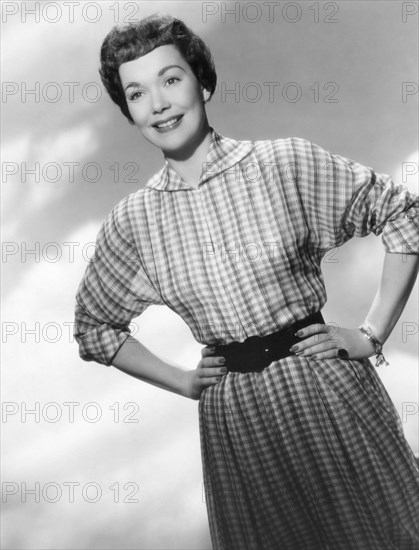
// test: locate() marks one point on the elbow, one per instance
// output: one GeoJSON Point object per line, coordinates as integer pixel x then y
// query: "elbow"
{"type": "Point", "coordinates": [97, 341]}
{"type": "Point", "coordinates": [100, 347]}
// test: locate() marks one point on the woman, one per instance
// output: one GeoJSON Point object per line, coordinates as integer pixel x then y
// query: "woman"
{"type": "Point", "coordinates": [302, 447]}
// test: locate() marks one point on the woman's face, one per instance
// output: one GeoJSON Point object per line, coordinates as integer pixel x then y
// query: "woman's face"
{"type": "Point", "coordinates": [160, 86]}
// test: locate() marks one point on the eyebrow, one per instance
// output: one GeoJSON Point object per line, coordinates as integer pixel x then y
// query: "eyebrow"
{"type": "Point", "coordinates": [160, 73]}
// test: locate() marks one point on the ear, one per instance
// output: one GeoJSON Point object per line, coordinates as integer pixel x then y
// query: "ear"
{"type": "Point", "coordinates": [205, 94]}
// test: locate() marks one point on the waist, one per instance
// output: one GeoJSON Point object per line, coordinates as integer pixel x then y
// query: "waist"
{"type": "Point", "coordinates": [255, 353]}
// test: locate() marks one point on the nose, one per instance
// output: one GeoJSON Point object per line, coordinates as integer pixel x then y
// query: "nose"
{"type": "Point", "coordinates": [159, 102]}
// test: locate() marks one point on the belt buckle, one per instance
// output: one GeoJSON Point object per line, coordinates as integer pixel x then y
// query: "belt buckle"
{"type": "Point", "coordinates": [259, 353]}
{"type": "Point", "coordinates": [262, 345]}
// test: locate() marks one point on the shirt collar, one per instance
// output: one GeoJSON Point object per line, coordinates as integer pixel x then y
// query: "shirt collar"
{"type": "Point", "coordinates": [222, 154]}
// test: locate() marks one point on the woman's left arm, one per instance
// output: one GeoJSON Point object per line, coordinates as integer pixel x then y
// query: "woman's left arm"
{"type": "Point", "coordinates": [397, 280]}
{"type": "Point", "coordinates": [343, 199]}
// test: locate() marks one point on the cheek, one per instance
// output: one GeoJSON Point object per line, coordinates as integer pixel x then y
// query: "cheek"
{"type": "Point", "coordinates": [191, 95]}
{"type": "Point", "coordinates": [137, 113]}
{"type": "Point", "coordinates": [198, 98]}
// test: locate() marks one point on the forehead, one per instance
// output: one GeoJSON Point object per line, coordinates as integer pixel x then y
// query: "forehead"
{"type": "Point", "coordinates": [147, 67]}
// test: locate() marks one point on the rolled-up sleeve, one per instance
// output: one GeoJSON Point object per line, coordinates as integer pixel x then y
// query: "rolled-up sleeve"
{"type": "Point", "coordinates": [114, 290]}
{"type": "Point", "coordinates": [344, 199]}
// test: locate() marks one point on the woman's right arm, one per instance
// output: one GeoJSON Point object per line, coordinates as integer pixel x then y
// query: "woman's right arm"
{"type": "Point", "coordinates": [135, 359]}
{"type": "Point", "coordinates": [114, 290]}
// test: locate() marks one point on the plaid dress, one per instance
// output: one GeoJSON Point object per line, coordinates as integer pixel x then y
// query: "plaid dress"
{"type": "Point", "coordinates": [307, 454]}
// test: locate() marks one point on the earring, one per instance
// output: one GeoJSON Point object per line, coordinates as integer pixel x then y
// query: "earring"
{"type": "Point", "coordinates": [206, 95]}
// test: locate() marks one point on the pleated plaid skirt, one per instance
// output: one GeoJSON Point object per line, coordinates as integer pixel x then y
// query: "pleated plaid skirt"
{"type": "Point", "coordinates": [307, 455]}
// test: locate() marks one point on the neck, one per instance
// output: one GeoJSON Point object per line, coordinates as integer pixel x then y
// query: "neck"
{"type": "Point", "coordinates": [188, 163]}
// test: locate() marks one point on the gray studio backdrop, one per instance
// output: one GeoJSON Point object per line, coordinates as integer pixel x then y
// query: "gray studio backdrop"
{"type": "Point", "coordinates": [91, 457]}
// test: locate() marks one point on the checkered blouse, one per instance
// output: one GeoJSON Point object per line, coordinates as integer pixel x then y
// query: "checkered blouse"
{"type": "Point", "coordinates": [240, 255]}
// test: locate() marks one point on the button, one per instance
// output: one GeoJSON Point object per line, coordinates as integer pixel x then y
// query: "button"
{"type": "Point", "coordinates": [267, 350]}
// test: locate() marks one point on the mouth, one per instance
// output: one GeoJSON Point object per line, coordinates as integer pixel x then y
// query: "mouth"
{"type": "Point", "coordinates": [168, 124]}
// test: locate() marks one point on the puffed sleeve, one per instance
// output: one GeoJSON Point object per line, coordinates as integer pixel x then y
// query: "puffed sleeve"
{"type": "Point", "coordinates": [342, 199]}
{"type": "Point", "coordinates": [113, 290]}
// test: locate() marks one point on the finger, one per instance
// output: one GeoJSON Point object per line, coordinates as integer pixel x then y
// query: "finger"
{"type": "Point", "coordinates": [207, 350]}
{"type": "Point", "coordinates": [205, 382]}
{"type": "Point", "coordinates": [311, 341]}
{"type": "Point", "coordinates": [326, 345]}
{"type": "Point", "coordinates": [318, 338]}
{"type": "Point", "coordinates": [317, 328]}
{"type": "Point", "coordinates": [207, 372]}
{"type": "Point", "coordinates": [212, 361]}
{"type": "Point", "coordinates": [330, 354]}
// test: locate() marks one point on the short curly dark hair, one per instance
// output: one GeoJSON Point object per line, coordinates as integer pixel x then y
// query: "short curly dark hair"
{"type": "Point", "coordinates": [133, 40]}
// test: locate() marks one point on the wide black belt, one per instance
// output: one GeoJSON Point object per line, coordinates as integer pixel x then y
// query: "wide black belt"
{"type": "Point", "coordinates": [255, 353]}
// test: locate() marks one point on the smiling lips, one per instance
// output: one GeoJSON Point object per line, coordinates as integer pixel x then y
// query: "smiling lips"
{"type": "Point", "coordinates": [168, 123]}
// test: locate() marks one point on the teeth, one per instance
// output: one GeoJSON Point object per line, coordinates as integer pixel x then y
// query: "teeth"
{"type": "Point", "coordinates": [168, 123]}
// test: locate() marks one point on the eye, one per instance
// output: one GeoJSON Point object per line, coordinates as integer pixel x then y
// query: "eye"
{"type": "Point", "coordinates": [135, 96]}
{"type": "Point", "coordinates": [171, 80]}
